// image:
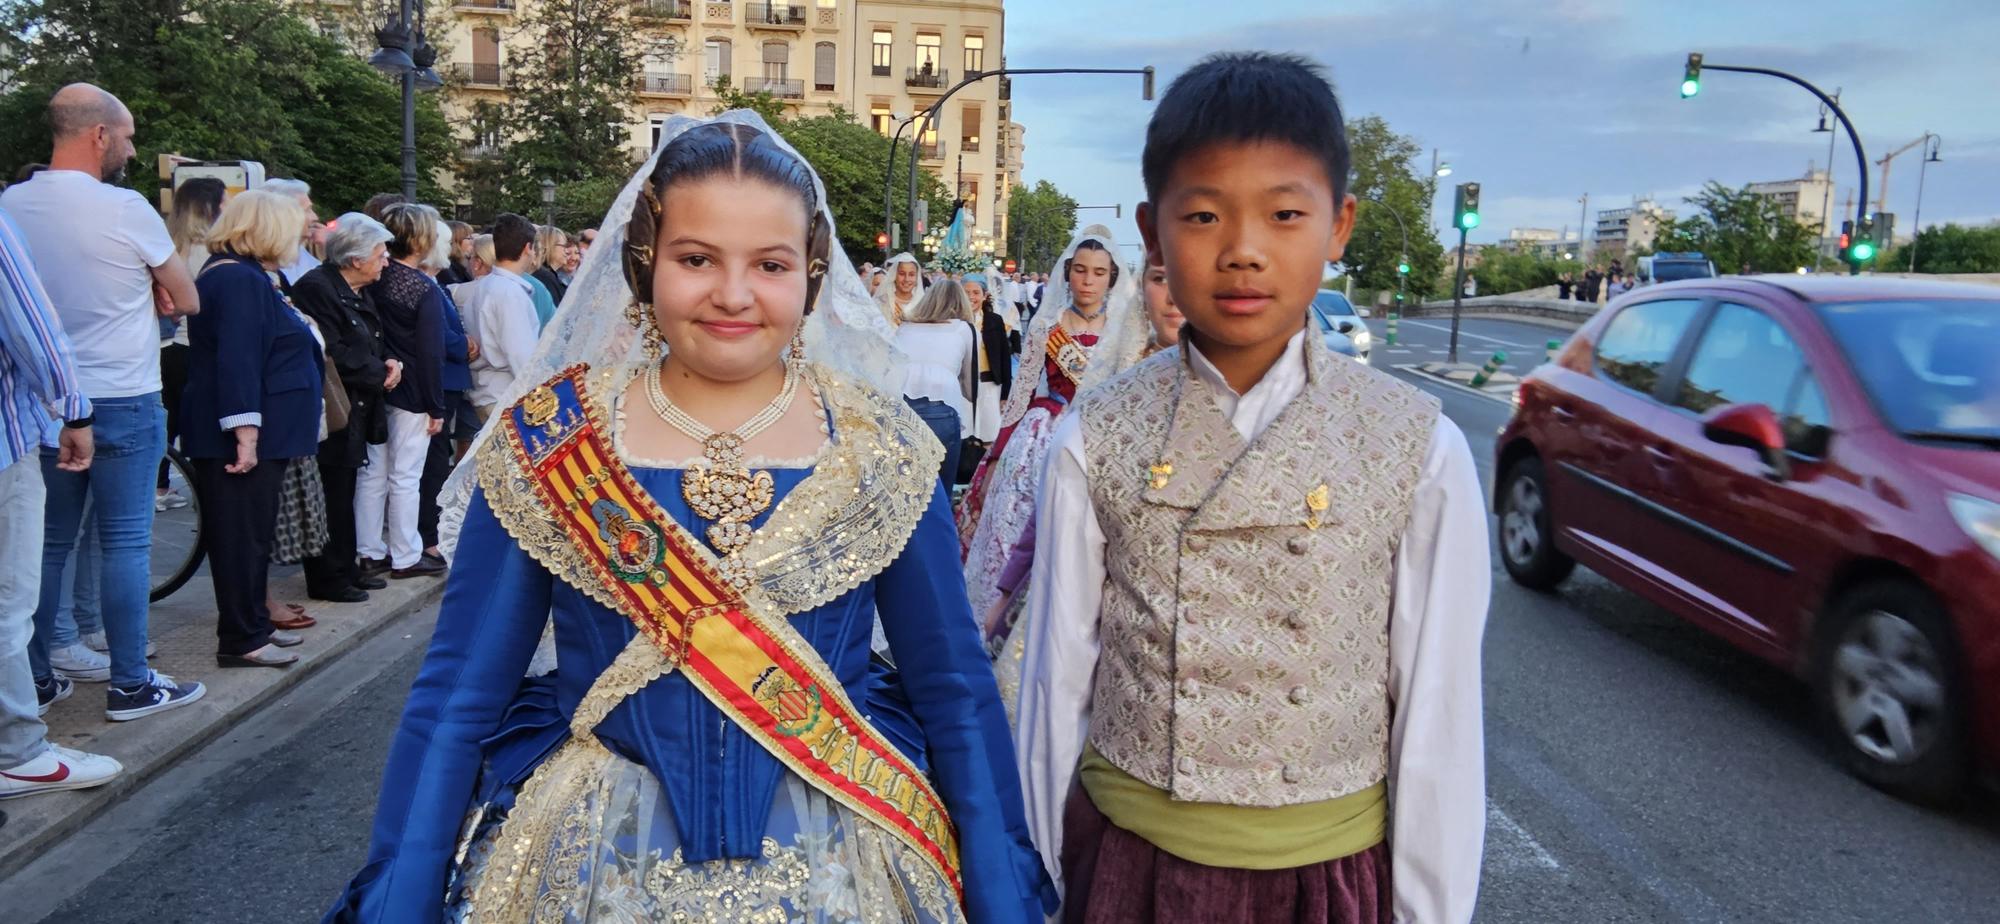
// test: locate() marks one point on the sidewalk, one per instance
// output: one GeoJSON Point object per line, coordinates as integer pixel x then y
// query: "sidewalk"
{"type": "Point", "coordinates": [183, 628]}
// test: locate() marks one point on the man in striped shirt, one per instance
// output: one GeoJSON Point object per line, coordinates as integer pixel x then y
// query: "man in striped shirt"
{"type": "Point", "coordinates": [40, 404]}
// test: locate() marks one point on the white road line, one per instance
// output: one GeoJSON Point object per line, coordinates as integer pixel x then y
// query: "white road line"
{"type": "Point", "coordinates": [1467, 333]}
{"type": "Point", "coordinates": [1507, 841]}
{"type": "Point", "coordinates": [1423, 379]}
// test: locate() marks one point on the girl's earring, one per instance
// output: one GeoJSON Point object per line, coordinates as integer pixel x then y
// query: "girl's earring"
{"type": "Point", "coordinates": [798, 348]}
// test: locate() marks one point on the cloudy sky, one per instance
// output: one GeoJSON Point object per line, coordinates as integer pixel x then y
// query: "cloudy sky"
{"type": "Point", "coordinates": [1542, 101]}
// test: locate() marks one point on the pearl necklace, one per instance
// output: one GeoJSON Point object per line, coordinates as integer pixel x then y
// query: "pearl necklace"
{"type": "Point", "coordinates": [724, 490]}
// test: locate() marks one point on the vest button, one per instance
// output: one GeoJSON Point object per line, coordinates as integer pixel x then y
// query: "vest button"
{"type": "Point", "coordinates": [1293, 774]}
{"type": "Point", "coordinates": [1295, 621]}
{"type": "Point", "coordinates": [1185, 765]}
{"type": "Point", "coordinates": [1189, 688]}
{"type": "Point", "coordinates": [1197, 543]}
{"type": "Point", "coordinates": [1297, 545]}
{"type": "Point", "coordinates": [1297, 696]}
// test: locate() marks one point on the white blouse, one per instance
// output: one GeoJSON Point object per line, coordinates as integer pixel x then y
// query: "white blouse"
{"type": "Point", "coordinates": [938, 354]}
{"type": "Point", "coordinates": [1437, 773]}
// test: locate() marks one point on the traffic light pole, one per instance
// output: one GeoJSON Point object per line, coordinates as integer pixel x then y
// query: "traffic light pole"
{"type": "Point", "coordinates": [1405, 231]}
{"type": "Point", "coordinates": [1860, 159]}
{"type": "Point", "coordinates": [1457, 293]}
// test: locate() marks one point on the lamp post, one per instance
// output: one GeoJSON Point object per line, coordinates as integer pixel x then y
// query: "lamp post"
{"type": "Point", "coordinates": [548, 201]}
{"type": "Point", "coordinates": [930, 114]}
{"type": "Point", "coordinates": [1916, 220]}
{"type": "Point", "coordinates": [889, 184]}
{"type": "Point", "coordinates": [403, 53]}
{"type": "Point", "coordinates": [1825, 199]}
{"type": "Point", "coordinates": [1405, 231]}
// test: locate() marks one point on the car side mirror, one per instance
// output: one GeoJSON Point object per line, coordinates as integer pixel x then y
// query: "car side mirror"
{"type": "Point", "coordinates": [1752, 426]}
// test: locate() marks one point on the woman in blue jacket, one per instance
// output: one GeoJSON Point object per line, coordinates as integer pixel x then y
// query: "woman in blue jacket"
{"type": "Point", "coordinates": [252, 402]}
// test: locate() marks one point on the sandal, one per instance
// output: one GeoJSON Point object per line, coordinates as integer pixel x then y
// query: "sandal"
{"type": "Point", "coordinates": [267, 656]}
{"type": "Point", "coordinates": [297, 620]}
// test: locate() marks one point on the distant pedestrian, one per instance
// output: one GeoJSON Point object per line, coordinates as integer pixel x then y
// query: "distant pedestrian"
{"type": "Point", "coordinates": [1565, 286]}
{"type": "Point", "coordinates": [103, 253]}
{"type": "Point", "coordinates": [37, 376]}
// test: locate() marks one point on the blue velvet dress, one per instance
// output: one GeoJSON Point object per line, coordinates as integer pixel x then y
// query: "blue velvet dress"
{"type": "Point", "coordinates": [684, 815]}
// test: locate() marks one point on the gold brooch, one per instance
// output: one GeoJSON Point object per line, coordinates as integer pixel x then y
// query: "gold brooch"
{"type": "Point", "coordinates": [1161, 471]}
{"type": "Point", "coordinates": [540, 406]}
{"type": "Point", "coordinates": [1316, 504]}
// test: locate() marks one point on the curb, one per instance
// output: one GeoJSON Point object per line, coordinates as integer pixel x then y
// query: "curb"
{"type": "Point", "coordinates": [149, 747]}
{"type": "Point", "coordinates": [1503, 395]}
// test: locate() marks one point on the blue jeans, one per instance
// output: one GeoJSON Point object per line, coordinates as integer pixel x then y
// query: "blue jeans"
{"type": "Point", "coordinates": [78, 611]}
{"type": "Point", "coordinates": [943, 421]}
{"type": "Point", "coordinates": [130, 436]}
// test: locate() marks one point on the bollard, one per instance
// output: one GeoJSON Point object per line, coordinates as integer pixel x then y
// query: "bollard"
{"type": "Point", "coordinates": [1549, 354]}
{"type": "Point", "coordinates": [1390, 336]}
{"type": "Point", "coordinates": [1486, 372]}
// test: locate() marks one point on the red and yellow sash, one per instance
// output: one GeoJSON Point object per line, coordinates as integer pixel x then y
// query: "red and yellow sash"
{"type": "Point", "coordinates": [754, 668]}
{"type": "Point", "coordinates": [1068, 355]}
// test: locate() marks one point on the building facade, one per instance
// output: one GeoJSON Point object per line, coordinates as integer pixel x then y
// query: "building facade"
{"type": "Point", "coordinates": [1545, 243]}
{"type": "Point", "coordinates": [1805, 199]}
{"type": "Point", "coordinates": [1621, 231]}
{"type": "Point", "coordinates": [881, 60]}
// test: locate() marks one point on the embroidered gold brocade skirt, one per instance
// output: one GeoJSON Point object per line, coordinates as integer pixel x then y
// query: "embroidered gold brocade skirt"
{"type": "Point", "coordinates": [591, 838]}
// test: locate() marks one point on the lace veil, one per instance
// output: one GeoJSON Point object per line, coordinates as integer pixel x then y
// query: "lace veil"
{"type": "Point", "coordinates": [1118, 346]}
{"type": "Point", "coordinates": [845, 332]}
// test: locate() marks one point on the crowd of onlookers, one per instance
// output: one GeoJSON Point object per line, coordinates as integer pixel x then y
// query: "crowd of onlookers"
{"type": "Point", "coordinates": [319, 375]}
{"type": "Point", "coordinates": [1596, 285]}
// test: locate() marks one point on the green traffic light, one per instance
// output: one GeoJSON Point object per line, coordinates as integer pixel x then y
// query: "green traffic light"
{"type": "Point", "coordinates": [1690, 88]}
{"type": "Point", "coordinates": [1469, 220]}
{"type": "Point", "coordinates": [1402, 269]}
{"type": "Point", "coordinates": [1862, 251]}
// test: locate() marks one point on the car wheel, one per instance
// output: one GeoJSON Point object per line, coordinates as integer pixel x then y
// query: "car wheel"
{"type": "Point", "coordinates": [1889, 693]}
{"type": "Point", "coordinates": [1527, 538]}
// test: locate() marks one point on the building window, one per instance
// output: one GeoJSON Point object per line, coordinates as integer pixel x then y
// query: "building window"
{"type": "Point", "coordinates": [715, 64]}
{"type": "Point", "coordinates": [486, 127]}
{"type": "Point", "coordinates": [884, 43]}
{"type": "Point", "coordinates": [969, 131]}
{"type": "Point", "coordinates": [829, 4]}
{"type": "Point", "coordinates": [929, 50]}
{"type": "Point", "coordinates": [823, 66]}
{"type": "Point", "coordinates": [656, 124]}
{"type": "Point", "coordinates": [777, 60]}
{"type": "Point", "coordinates": [975, 54]}
{"type": "Point", "coordinates": [880, 120]}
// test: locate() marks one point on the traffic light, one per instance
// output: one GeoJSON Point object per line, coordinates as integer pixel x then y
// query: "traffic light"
{"type": "Point", "coordinates": [1465, 206]}
{"type": "Point", "coordinates": [1863, 248]}
{"type": "Point", "coordinates": [882, 239]}
{"type": "Point", "coordinates": [1403, 266]}
{"type": "Point", "coordinates": [1846, 239]}
{"type": "Point", "coordinates": [1691, 81]}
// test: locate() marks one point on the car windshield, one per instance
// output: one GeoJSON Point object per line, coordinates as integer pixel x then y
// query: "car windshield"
{"type": "Point", "coordinates": [1932, 367]}
{"type": "Point", "coordinates": [1319, 317]}
{"type": "Point", "coordinates": [1671, 271]}
{"type": "Point", "coordinates": [1333, 303]}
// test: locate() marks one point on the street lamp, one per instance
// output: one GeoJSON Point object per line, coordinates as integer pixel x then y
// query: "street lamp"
{"type": "Point", "coordinates": [404, 54]}
{"type": "Point", "coordinates": [1444, 170]}
{"type": "Point", "coordinates": [1916, 221]}
{"type": "Point", "coordinates": [889, 183]}
{"type": "Point", "coordinates": [548, 201]}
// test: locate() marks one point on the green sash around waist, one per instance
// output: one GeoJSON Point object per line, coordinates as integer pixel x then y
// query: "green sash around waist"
{"type": "Point", "coordinates": [1237, 836]}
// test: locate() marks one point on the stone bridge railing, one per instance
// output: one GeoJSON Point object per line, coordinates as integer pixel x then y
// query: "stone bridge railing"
{"type": "Point", "coordinates": [1561, 311]}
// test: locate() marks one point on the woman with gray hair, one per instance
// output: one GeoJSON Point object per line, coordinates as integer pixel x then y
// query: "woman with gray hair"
{"type": "Point", "coordinates": [335, 296]}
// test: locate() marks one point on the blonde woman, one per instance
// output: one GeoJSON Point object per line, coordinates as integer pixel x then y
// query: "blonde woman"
{"type": "Point", "coordinates": [252, 403]}
{"type": "Point", "coordinates": [553, 245]}
{"type": "Point", "coordinates": [942, 349]}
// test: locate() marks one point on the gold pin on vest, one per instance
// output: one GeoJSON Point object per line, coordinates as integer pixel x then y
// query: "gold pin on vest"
{"type": "Point", "coordinates": [1316, 504]}
{"type": "Point", "coordinates": [1162, 471]}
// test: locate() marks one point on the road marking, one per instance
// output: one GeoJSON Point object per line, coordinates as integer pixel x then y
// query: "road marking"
{"type": "Point", "coordinates": [1467, 333]}
{"type": "Point", "coordinates": [1524, 850]}
{"type": "Point", "coordinates": [1425, 378]}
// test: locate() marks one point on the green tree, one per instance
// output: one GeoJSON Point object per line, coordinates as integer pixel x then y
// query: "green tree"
{"type": "Point", "coordinates": [218, 80]}
{"type": "Point", "coordinates": [1385, 178]}
{"type": "Point", "coordinates": [1501, 273]}
{"type": "Point", "coordinates": [569, 103]}
{"type": "Point", "coordinates": [850, 158]}
{"type": "Point", "coordinates": [1040, 222]}
{"type": "Point", "coordinates": [1740, 231]}
{"type": "Point", "coordinates": [1949, 249]}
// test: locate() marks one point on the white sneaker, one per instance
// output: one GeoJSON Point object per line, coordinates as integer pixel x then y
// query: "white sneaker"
{"type": "Point", "coordinates": [95, 641]}
{"type": "Point", "coordinates": [172, 500]}
{"type": "Point", "coordinates": [78, 662]}
{"type": "Point", "coordinates": [58, 768]}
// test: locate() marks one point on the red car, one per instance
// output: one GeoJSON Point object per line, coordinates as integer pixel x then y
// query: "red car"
{"type": "Point", "coordinates": [1808, 467]}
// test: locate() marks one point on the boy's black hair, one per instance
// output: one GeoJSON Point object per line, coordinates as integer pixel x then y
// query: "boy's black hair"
{"type": "Point", "coordinates": [1245, 96]}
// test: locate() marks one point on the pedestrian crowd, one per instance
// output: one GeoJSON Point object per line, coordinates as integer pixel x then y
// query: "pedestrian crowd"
{"type": "Point", "coordinates": [1596, 285]}
{"type": "Point", "coordinates": [319, 376]}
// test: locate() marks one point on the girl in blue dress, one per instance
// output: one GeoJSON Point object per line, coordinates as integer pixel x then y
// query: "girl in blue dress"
{"type": "Point", "coordinates": [770, 701]}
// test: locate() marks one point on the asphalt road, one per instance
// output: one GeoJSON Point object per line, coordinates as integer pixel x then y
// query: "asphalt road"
{"type": "Point", "coordinates": [1637, 771]}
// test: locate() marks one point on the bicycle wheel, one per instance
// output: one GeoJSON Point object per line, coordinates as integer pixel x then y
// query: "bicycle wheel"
{"type": "Point", "coordinates": [177, 545]}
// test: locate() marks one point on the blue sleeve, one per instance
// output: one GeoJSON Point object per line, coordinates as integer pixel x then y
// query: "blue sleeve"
{"type": "Point", "coordinates": [454, 333]}
{"type": "Point", "coordinates": [431, 342]}
{"type": "Point", "coordinates": [234, 306]}
{"type": "Point", "coordinates": [928, 621]}
{"type": "Point", "coordinates": [487, 629]}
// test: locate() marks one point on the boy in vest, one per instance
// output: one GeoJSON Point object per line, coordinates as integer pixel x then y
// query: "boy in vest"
{"type": "Point", "coordinates": [1251, 685]}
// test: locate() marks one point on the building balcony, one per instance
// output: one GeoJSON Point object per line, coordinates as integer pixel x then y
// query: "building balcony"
{"type": "Point", "coordinates": [500, 7]}
{"type": "Point", "coordinates": [656, 84]}
{"type": "Point", "coordinates": [932, 151]}
{"type": "Point", "coordinates": [662, 10]}
{"type": "Point", "coordinates": [922, 78]}
{"type": "Point", "coordinates": [479, 75]}
{"type": "Point", "coordinates": [718, 12]}
{"type": "Point", "coordinates": [782, 16]}
{"type": "Point", "coordinates": [780, 87]}
{"type": "Point", "coordinates": [822, 87]}
{"type": "Point", "coordinates": [968, 146]}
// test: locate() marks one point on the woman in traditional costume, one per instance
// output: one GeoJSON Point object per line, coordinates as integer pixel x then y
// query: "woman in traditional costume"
{"type": "Point", "coordinates": [900, 291]}
{"type": "Point", "coordinates": [996, 357]}
{"type": "Point", "coordinates": [711, 523]}
{"type": "Point", "coordinates": [1093, 328]}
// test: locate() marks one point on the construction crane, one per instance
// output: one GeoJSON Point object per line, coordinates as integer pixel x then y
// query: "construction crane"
{"type": "Point", "coordinates": [1882, 198]}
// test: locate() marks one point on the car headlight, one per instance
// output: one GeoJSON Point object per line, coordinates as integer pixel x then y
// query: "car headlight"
{"type": "Point", "coordinates": [1362, 338]}
{"type": "Point", "coordinates": [1979, 517]}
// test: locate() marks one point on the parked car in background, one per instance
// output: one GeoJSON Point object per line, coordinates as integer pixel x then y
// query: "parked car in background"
{"type": "Point", "coordinates": [1335, 314]}
{"type": "Point", "coordinates": [1806, 466]}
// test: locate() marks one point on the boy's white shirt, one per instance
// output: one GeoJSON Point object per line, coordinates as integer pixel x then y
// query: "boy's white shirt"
{"type": "Point", "coordinates": [1443, 578]}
